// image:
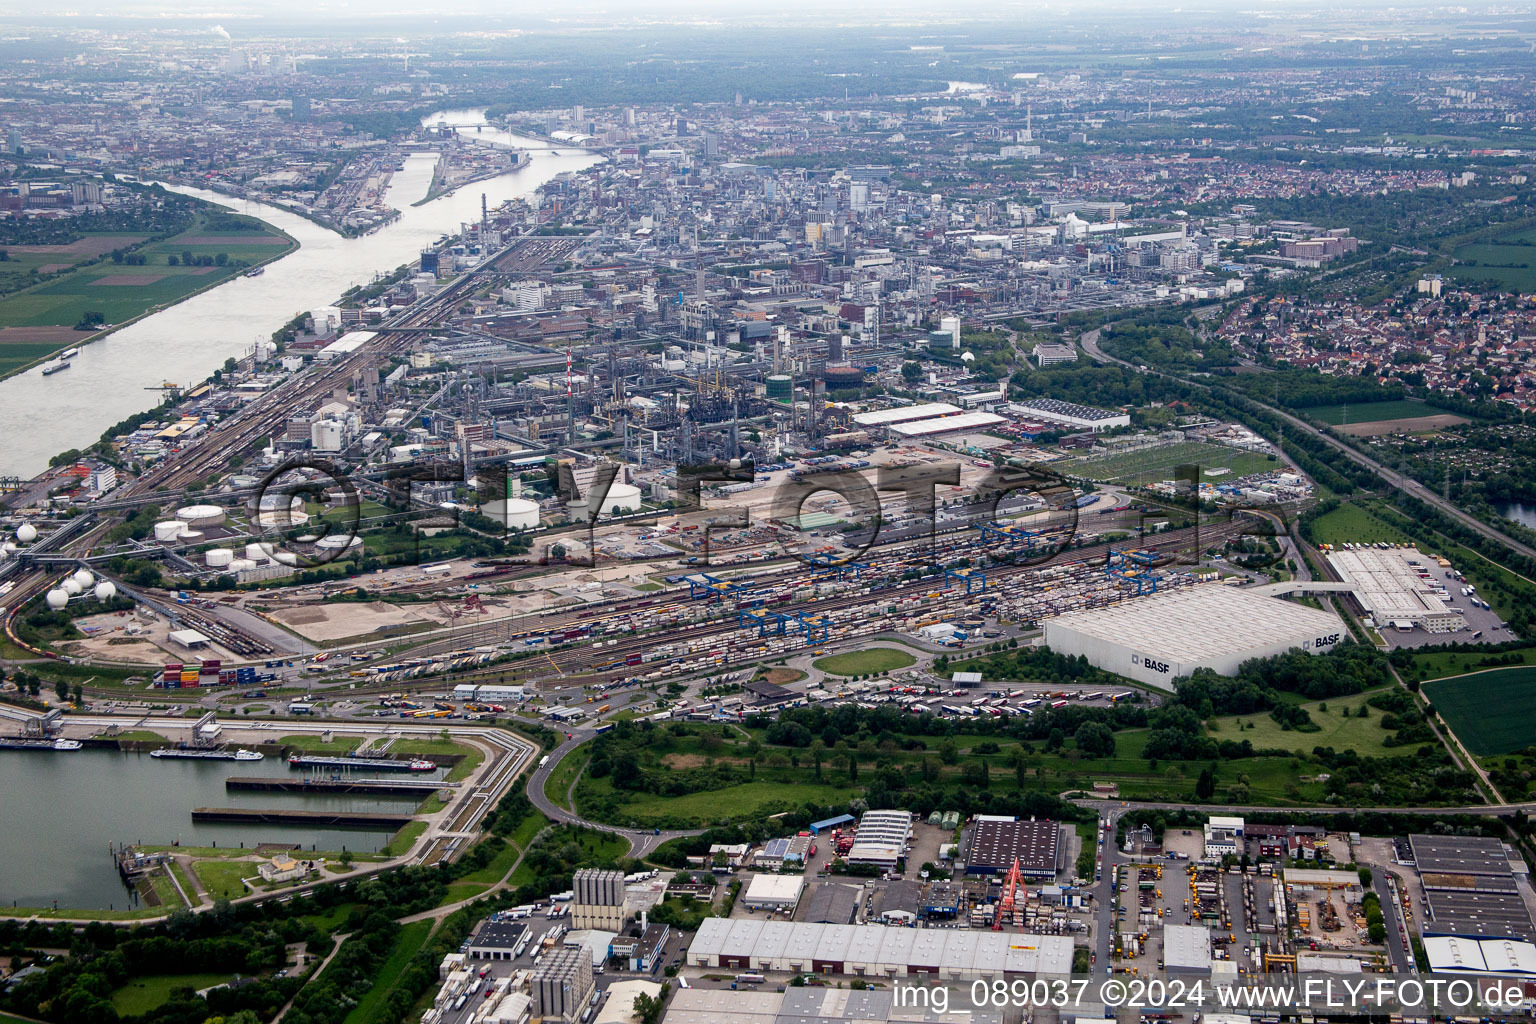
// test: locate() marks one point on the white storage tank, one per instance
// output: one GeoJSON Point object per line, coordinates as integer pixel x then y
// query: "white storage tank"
{"type": "Point", "coordinates": [71, 587]}
{"type": "Point", "coordinates": [258, 552]}
{"type": "Point", "coordinates": [219, 558]}
{"type": "Point", "coordinates": [274, 513]}
{"type": "Point", "coordinates": [26, 533]}
{"type": "Point", "coordinates": [338, 543]}
{"type": "Point", "coordinates": [85, 578]}
{"type": "Point", "coordinates": [169, 530]}
{"type": "Point", "coordinates": [242, 564]}
{"type": "Point", "coordinates": [200, 515]}
{"type": "Point", "coordinates": [513, 513]}
{"type": "Point", "coordinates": [106, 590]}
{"type": "Point", "coordinates": [621, 497]}
{"type": "Point", "coordinates": [57, 599]}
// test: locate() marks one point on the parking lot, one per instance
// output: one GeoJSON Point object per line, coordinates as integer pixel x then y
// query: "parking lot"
{"type": "Point", "coordinates": [1479, 619]}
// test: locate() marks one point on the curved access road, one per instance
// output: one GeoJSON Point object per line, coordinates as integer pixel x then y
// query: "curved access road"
{"type": "Point", "coordinates": [1090, 342]}
{"type": "Point", "coordinates": [641, 841]}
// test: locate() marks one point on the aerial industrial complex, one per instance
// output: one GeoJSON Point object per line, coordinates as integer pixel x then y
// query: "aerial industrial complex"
{"type": "Point", "coordinates": [879, 519]}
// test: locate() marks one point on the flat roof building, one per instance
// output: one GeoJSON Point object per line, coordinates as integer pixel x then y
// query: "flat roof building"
{"type": "Point", "coordinates": [947, 424]}
{"type": "Point", "coordinates": [1186, 949]}
{"type": "Point", "coordinates": [810, 1005]}
{"type": "Point", "coordinates": [1387, 584]}
{"type": "Point", "coordinates": [495, 940]}
{"type": "Point", "coordinates": [754, 944]}
{"type": "Point", "coordinates": [1158, 639]}
{"type": "Point", "coordinates": [1469, 888]}
{"type": "Point", "coordinates": [773, 892]}
{"type": "Point", "coordinates": [992, 843]}
{"type": "Point", "coordinates": [881, 838]}
{"type": "Point", "coordinates": [901, 414]}
{"type": "Point", "coordinates": [1083, 417]}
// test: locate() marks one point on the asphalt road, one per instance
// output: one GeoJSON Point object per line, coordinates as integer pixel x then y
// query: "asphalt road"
{"type": "Point", "coordinates": [641, 841]}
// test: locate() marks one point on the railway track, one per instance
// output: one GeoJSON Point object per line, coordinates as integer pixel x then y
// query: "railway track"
{"type": "Point", "coordinates": [577, 664]}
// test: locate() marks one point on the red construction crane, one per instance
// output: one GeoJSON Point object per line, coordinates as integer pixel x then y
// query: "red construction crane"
{"type": "Point", "coordinates": [1013, 886]}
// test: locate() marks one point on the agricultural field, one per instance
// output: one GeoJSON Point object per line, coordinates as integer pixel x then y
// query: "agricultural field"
{"type": "Point", "coordinates": [1372, 412]}
{"type": "Point", "coordinates": [82, 282]}
{"type": "Point", "coordinates": [863, 663]}
{"type": "Point", "coordinates": [1465, 701]}
{"type": "Point", "coordinates": [1156, 464]}
{"type": "Point", "coordinates": [1432, 664]}
{"type": "Point", "coordinates": [1512, 266]}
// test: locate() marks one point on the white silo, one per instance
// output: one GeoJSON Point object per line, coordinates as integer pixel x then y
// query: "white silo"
{"type": "Point", "coordinates": [621, 497]}
{"type": "Point", "coordinates": [219, 558]}
{"type": "Point", "coordinates": [106, 590]}
{"type": "Point", "coordinates": [57, 598]}
{"type": "Point", "coordinates": [513, 513]}
{"type": "Point", "coordinates": [72, 587]}
{"type": "Point", "coordinates": [168, 530]}
{"type": "Point", "coordinates": [200, 515]}
{"type": "Point", "coordinates": [242, 564]}
{"type": "Point", "coordinates": [258, 552]}
{"type": "Point", "coordinates": [26, 533]}
{"type": "Point", "coordinates": [85, 578]}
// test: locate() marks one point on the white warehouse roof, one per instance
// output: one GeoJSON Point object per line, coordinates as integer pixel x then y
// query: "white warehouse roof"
{"type": "Point", "coordinates": [347, 344]}
{"type": "Point", "coordinates": [875, 950]}
{"type": "Point", "coordinates": [773, 890]}
{"type": "Point", "coordinates": [1457, 955]}
{"type": "Point", "coordinates": [883, 417]}
{"type": "Point", "coordinates": [1390, 588]}
{"type": "Point", "coordinates": [1160, 638]}
{"type": "Point", "coordinates": [1186, 947]}
{"type": "Point", "coordinates": [945, 424]}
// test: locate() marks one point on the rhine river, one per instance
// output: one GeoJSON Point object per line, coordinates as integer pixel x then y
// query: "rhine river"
{"type": "Point", "coordinates": [106, 383]}
{"type": "Point", "coordinates": [62, 809]}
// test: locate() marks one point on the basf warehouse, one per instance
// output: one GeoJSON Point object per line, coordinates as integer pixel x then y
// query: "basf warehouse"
{"type": "Point", "coordinates": [1157, 639]}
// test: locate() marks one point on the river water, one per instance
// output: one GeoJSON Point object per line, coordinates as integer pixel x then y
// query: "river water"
{"type": "Point", "coordinates": [41, 416]}
{"type": "Point", "coordinates": [62, 809]}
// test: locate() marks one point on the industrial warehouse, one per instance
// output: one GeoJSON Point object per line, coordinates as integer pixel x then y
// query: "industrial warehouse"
{"type": "Point", "coordinates": [991, 845]}
{"type": "Point", "coordinates": [812, 1006]}
{"type": "Point", "coordinates": [1394, 586]}
{"type": "Point", "coordinates": [1158, 639]}
{"type": "Point", "coordinates": [1470, 888]}
{"type": "Point", "coordinates": [875, 950]}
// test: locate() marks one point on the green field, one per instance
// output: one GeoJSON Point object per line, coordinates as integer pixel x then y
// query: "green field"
{"type": "Point", "coordinates": [142, 995]}
{"type": "Point", "coordinates": [1372, 412]}
{"type": "Point", "coordinates": [1352, 524]}
{"type": "Point", "coordinates": [224, 880]}
{"type": "Point", "coordinates": [1364, 736]}
{"type": "Point", "coordinates": [863, 663]}
{"type": "Point", "coordinates": [746, 801]}
{"type": "Point", "coordinates": [412, 937]}
{"type": "Point", "coordinates": [1501, 260]}
{"type": "Point", "coordinates": [558, 786]}
{"type": "Point", "coordinates": [779, 786]}
{"type": "Point", "coordinates": [1466, 702]}
{"type": "Point", "coordinates": [1433, 664]}
{"type": "Point", "coordinates": [118, 291]}
{"type": "Point", "coordinates": [1155, 464]}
